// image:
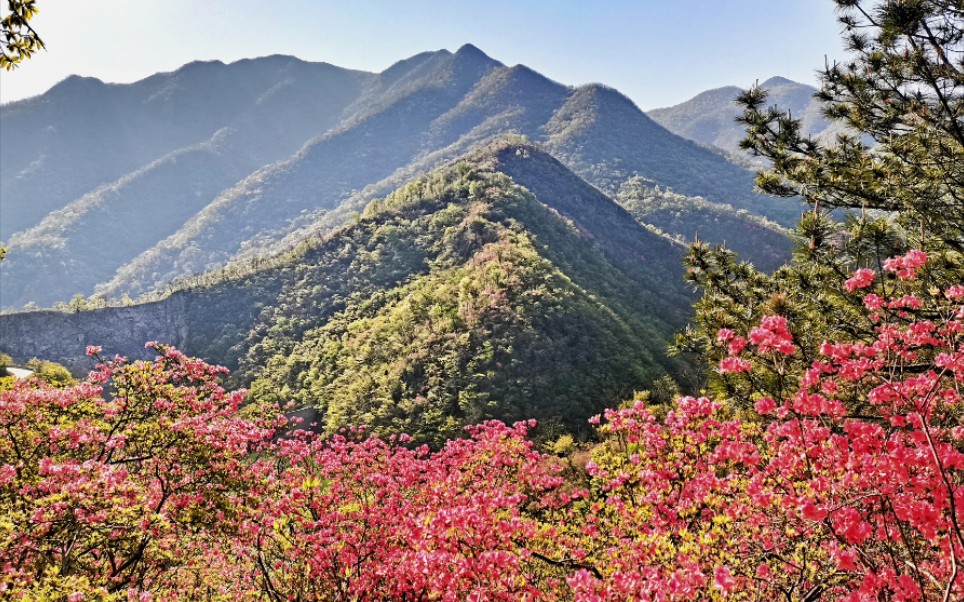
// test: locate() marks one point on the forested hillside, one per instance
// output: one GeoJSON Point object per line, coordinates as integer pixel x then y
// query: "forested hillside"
{"type": "Point", "coordinates": [502, 286]}
{"type": "Point", "coordinates": [763, 242]}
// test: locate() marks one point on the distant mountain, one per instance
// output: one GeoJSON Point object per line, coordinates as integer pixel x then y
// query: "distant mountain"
{"type": "Point", "coordinates": [710, 117]}
{"type": "Point", "coordinates": [499, 286]}
{"type": "Point", "coordinates": [145, 166]}
{"type": "Point", "coordinates": [123, 189]}
{"type": "Point", "coordinates": [83, 134]}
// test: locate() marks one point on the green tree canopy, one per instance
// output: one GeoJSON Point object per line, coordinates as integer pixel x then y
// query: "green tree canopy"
{"type": "Point", "coordinates": [901, 94]}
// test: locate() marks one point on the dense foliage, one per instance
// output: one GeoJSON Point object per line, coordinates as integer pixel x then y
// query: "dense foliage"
{"type": "Point", "coordinates": [755, 239]}
{"type": "Point", "coordinates": [115, 482]}
{"type": "Point", "coordinates": [462, 298]}
{"type": "Point", "coordinates": [896, 178]}
{"type": "Point", "coordinates": [18, 40]}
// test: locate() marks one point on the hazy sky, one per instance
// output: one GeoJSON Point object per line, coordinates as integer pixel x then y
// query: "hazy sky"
{"type": "Point", "coordinates": [658, 52]}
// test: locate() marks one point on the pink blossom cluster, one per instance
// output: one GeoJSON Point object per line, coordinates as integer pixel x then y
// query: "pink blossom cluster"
{"type": "Point", "coordinates": [771, 335]}
{"type": "Point", "coordinates": [861, 278]}
{"type": "Point", "coordinates": [149, 481]}
{"type": "Point", "coordinates": [853, 489]}
{"type": "Point", "coordinates": [906, 266]}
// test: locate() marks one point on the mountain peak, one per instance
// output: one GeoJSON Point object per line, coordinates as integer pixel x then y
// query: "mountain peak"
{"type": "Point", "coordinates": [74, 81]}
{"type": "Point", "coordinates": [495, 148]}
{"type": "Point", "coordinates": [269, 59]}
{"type": "Point", "coordinates": [596, 93]}
{"type": "Point", "coordinates": [469, 55]}
{"type": "Point", "coordinates": [470, 50]}
{"type": "Point", "coordinates": [400, 69]}
{"type": "Point", "coordinates": [776, 81]}
{"type": "Point", "coordinates": [76, 86]}
{"type": "Point", "coordinates": [200, 65]}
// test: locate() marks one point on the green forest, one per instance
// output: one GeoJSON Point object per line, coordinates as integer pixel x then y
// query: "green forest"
{"type": "Point", "coordinates": [503, 312]}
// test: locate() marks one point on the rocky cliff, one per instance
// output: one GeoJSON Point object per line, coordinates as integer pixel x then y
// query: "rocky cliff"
{"type": "Point", "coordinates": [209, 323]}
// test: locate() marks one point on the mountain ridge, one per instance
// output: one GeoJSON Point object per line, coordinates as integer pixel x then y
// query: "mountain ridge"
{"type": "Point", "coordinates": [545, 299]}
{"type": "Point", "coordinates": [246, 190]}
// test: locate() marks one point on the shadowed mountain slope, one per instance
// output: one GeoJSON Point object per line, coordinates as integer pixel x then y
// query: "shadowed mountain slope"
{"type": "Point", "coordinates": [84, 133]}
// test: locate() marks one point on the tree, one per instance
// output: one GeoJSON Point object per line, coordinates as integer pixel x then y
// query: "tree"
{"type": "Point", "coordinates": [901, 94]}
{"type": "Point", "coordinates": [50, 372]}
{"type": "Point", "coordinates": [894, 182]}
{"type": "Point", "coordinates": [366, 518]}
{"type": "Point", "coordinates": [147, 481]}
{"type": "Point", "coordinates": [18, 40]}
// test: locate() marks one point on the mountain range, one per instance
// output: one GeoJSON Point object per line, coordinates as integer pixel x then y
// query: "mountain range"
{"type": "Point", "coordinates": [216, 164]}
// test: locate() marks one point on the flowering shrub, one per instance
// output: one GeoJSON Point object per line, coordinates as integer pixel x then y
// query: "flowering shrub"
{"type": "Point", "coordinates": [147, 481]}
{"type": "Point", "coordinates": [123, 483]}
{"type": "Point", "coordinates": [850, 488]}
{"type": "Point", "coordinates": [667, 508]}
{"type": "Point", "coordinates": [354, 518]}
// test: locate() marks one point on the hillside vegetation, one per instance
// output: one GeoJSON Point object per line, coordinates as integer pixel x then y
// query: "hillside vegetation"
{"type": "Point", "coordinates": [500, 286]}
{"type": "Point", "coordinates": [509, 312]}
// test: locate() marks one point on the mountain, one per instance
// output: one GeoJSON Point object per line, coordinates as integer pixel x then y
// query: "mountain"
{"type": "Point", "coordinates": [83, 134]}
{"type": "Point", "coordinates": [143, 170]}
{"type": "Point", "coordinates": [216, 164]}
{"type": "Point", "coordinates": [710, 117]}
{"type": "Point", "coordinates": [499, 286]}
{"type": "Point", "coordinates": [387, 134]}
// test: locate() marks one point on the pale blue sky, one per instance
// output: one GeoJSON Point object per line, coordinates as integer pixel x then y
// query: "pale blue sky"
{"type": "Point", "coordinates": [658, 52]}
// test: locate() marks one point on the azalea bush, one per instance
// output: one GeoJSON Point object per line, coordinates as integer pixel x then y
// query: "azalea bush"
{"type": "Point", "coordinates": [354, 517]}
{"type": "Point", "coordinates": [850, 487]}
{"type": "Point", "coordinates": [148, 480]}
{"type": "Point", "coordinates": [127, 482]}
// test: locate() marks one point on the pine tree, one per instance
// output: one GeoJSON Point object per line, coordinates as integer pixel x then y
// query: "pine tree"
{"type": "Point", "coordinates": [893, 182]}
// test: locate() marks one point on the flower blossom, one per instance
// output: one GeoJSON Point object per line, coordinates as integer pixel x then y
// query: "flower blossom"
{"type": "Point", "coordinates": [862, 278]}
{"type": "Point", "coordinates": [905, 266]}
